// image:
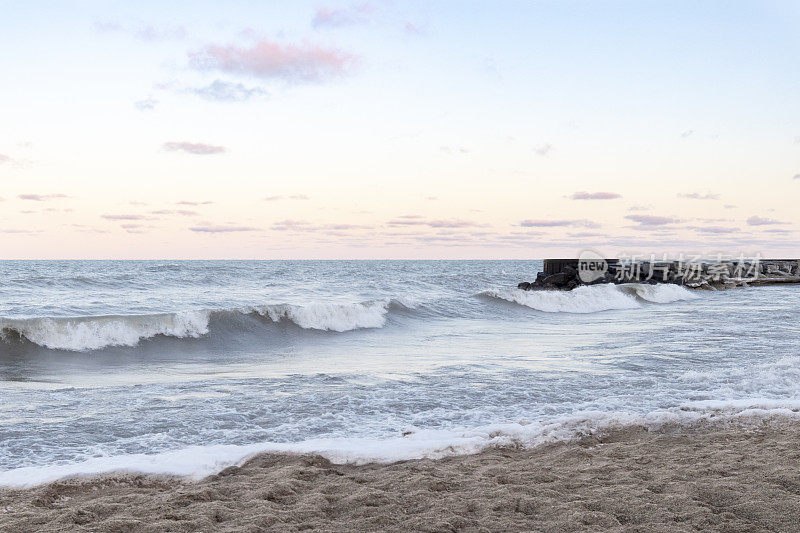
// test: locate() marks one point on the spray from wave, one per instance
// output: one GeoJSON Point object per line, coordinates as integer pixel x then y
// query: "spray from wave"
{"type": "Point", "coordinates": [594, 298]}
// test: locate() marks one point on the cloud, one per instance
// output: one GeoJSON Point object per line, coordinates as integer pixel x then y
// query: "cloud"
{"type": "Point", "coordinates": [716, 230]}
{"type": "Point", "coordinates": [144, 33]}
{"type": "Point", "coordinates": [224, 91]}
{"type": "Point", "coordinates": [148, 104]}
{"type": "Point", "coordinates": [543, 150]}
{"type": "Point", "coordinates": [584, 235]}
{"type": "Point", "coordinates": [756, 220]}
{"type": "Point", "coordinates": [289, 224]}
{"type": "Point", "coordinates": [133, 228]}
{"type": "Point", "coordinates": [583, 195]}
{"type": "Point", "coordinates": [194, 148]}
{"type": "Point", "coordinates": [698, 196]}
{"type": "Point", "coordinates": [182, 212]}
{"type": "Point", "coordinates": [4, 158]}
{"type": "Point", "coordinates": [729, 206]}
{"type": "Point", "coordinates": [450, 150]}
{"type": "Point", "coordinates": [687, 133]}
{"type": "Point", "coordinates": [188, 202]}
{"type": "Point", "coordinates": [796, 177]}
{"type": "Point", "coordinates": [415, 221]}
{"type": "Point", "coordinates": [20, 231]}
{"type": "Point", "coordinates": [652, 220]}
{"type": "Point", "coordinates": [221, 229]}
{"type": "Point", "coordinates": [307, 227]}
{"type": "Point", "coordinates": [540, 223]}
{"type": "Point", "coordinates": [41, 197]}
{"type": "Point", "coordinates": [152, 33]}
{"type": "Point", "coordinates": [639, 208]}
{"type": "Point", "coordinates": [346, 16]}
{"type": "Point", "coordinates": [270, 60]}
{"type": "Point", "coordinates": [123, 217]}
{"type": "Point", "coordinates": [412, 28]}
{"type": "Point", "coordinates": [291, 197]}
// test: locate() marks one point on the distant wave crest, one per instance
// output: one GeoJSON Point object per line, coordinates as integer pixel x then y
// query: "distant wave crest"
{"type": "Point", "coordinates": [594, 298]}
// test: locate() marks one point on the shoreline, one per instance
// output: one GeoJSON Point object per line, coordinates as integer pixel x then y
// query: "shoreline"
{"type": "Point", "coordinates": [733, 476]}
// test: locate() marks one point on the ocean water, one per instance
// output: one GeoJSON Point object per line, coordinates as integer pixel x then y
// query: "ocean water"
{"type": "Point", "coordinates": [188, 367]}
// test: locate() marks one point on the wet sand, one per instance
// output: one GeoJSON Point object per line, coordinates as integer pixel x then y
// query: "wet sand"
{"type": "Point", "coordinates": [709, 478]}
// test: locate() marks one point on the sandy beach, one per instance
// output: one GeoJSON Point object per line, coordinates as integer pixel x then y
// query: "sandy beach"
{"type": "Point", "coordinates": [721, 478]}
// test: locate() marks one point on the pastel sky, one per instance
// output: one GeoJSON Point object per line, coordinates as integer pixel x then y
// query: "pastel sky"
{"type": "Point", "coordinates": [393, 129]}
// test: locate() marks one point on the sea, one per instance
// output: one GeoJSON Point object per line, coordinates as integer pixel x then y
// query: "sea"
{"type": "Point", "coordinates": [187, 367]}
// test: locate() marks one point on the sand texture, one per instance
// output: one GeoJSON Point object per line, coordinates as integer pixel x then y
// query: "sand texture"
{"type": "Point", "coordinates": [714, 479]}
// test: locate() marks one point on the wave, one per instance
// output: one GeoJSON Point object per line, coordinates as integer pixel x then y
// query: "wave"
{"type": "Point", "coordinates": [196, 462]}
{"type": "Point", "coordinates": [594, 298]}
{"type": "Point", "coordinates": [97, 332]}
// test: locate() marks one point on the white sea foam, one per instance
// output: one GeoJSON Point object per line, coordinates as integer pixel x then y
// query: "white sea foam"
{"type": "Point", "coordinates": [196, 462]}
{"type": "Point", "coordinates": [329, 316]}
{"type": "Point", "coordinates": [663, 293]}
{"type": "Point", "coordinates": [93, 333]}
{"type": "Point", "coordinates": [594, 298]}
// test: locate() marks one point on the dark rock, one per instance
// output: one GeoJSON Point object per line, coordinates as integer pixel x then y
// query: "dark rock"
{"type": "Point", "coordinates": [556, 280]}
{"type": "Point", "coordinates": [525, 286]}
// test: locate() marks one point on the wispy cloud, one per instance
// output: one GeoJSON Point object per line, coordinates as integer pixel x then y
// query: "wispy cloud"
{"type": "Point", "coordinates": [123, 217]}
{"type": "Point", "coordinates": [698, 196]}
{"type": "Point", "coordinates": [194, 148]}
{"type": "Point", "coordinates": [20, 231]}
{"type": "Point", "coordinates": [796, 177]}
{"type": "Point", "coordinates": [221, 229]}
{"type": "Point", "coordinates": [190, 202]}
{"type": "Point", "coordinates": [271, 60]}
{"type": "Point", "coordinates": [544, 223]}
{"type": "Point", "coordinates": [142, 32]}
{"type": "Point", "coordinates": [453, 150]}
{"type": "Point", "coordinates": [715, 230]}
{"type": "Point", "coordinates": [346, 16]}
{"type": "Point", "coordinates": [4, 159]}
{"type": "Point", "coordinates": [181, 212]}
{"type": "Point", "coordinates": [451, 223]}
{"type": "Point", "coordinates": [148, 104]}
{"type": "Point", "coordinates": [756, 220]}
{"type": "Point", "coordinates": [307, 227]}
{"type": "Point", "coordinates": [543, 150]}
{"type": "Point", "coordinates": [687, 133]}
{"type": "Point", "coordinates": [639, 208]}
{"type": "Point", "coordinates": [225, 91]}
{"type": "Point", "coordinates": [583, 195]}
{"type": "Point", "coordinates": [652, 220]}
{"type": "Point", "coordinates": [289, 224]}
{"type": "Point", "coordinates": [290, 197]}
{"type": "Point", "coordinates": [412, 28]}
{"type": "Point", "coordinates": [41, 197]}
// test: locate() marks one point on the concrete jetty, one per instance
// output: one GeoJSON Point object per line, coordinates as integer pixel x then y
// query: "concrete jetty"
{"type": "Point", "coordinates": [567, 274]}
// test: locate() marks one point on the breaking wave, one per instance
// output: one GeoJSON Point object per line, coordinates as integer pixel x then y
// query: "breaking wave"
{"type": "Point", "coordinates": [97, 332]}
{"type": "Point", "coordinates": [90, 333]}
{"type": "Point", "coordinates": [594, 298]}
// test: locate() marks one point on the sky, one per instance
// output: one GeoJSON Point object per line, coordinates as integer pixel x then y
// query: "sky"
{"type": "Point", "coordinates": [399, 130]}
